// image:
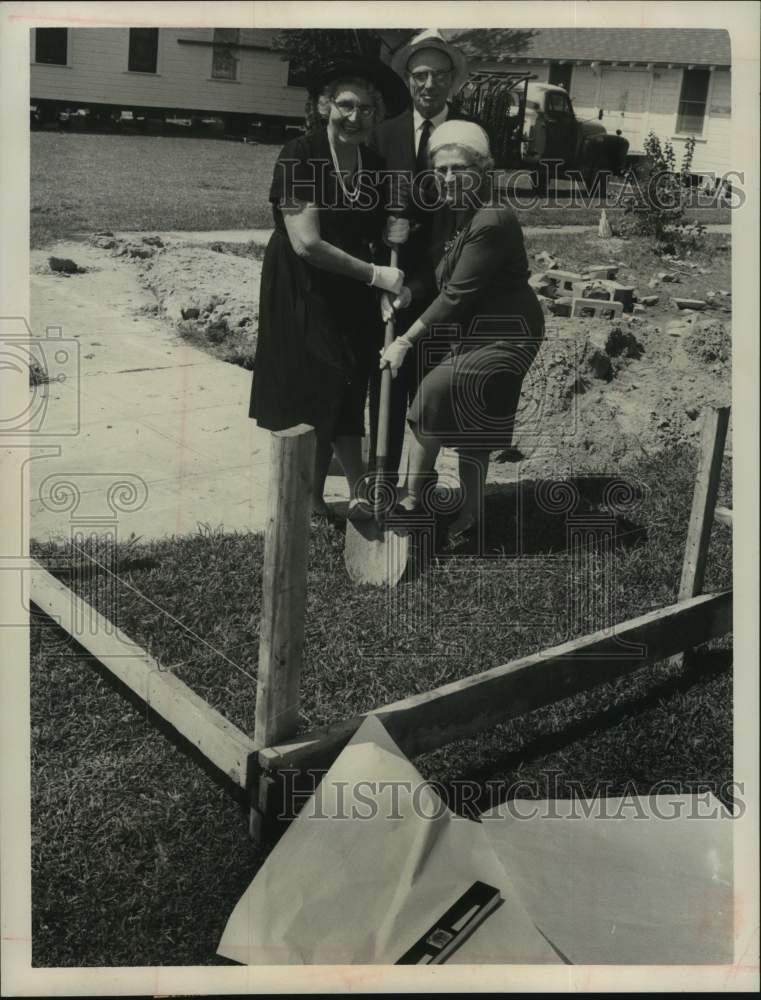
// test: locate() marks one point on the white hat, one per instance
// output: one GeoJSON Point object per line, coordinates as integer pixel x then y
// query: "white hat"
{"type": "Point", "coordinates": [431, 38]}
{"type": "Point", "coordinates": [460, 133]}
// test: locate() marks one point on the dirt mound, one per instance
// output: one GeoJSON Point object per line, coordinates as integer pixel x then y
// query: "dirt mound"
{"type": "Point", "coordinates": [708, 341]}
{"type": "Point", "coordinates": [209, 292]}
{"type": "Point", "coordinates": [210, 297]}
{"type": "Point", "coordinates": [600, 394]}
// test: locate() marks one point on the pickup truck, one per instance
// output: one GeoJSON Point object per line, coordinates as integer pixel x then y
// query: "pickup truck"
{"type": "Point", "coordinates": [532, 124]}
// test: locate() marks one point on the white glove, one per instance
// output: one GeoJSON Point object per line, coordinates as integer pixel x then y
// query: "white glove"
{"type": "Point", "coordinates": [397, 230]}
{"type": "Point", "coordinates": [394, 355]}
{"type": "Point", "coordinates": [390, 279]}
{"type": "Point", "coordinates": [389, 304]}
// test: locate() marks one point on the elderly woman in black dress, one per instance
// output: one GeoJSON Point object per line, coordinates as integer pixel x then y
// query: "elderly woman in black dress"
{"type": "Point", "coordinates": [319, 317]}
{"type": "Point", "coordinates": [491, 325]}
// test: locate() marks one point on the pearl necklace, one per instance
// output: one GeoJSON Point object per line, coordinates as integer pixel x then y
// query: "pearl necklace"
{"type": "Point", "coordinates": [455, 237]}
{"type": "Point", "coordinates": [351, 196]}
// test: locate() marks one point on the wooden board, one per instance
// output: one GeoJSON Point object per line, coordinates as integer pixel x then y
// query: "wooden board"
{"type": "Point", "coordinates": [714, 435]}
{"type": "Point", "coordinates": [426, 721]}
{"type": "Point", "coordinates": [221, 743]}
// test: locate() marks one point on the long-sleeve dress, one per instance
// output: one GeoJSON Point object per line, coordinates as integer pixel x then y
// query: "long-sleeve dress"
{"type": "Point", "coordinates": [484, 330]}
{"type": "Point", "coordinates": [319, 332]}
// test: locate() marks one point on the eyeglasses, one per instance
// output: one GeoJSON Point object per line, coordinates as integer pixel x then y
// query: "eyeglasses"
{"type": "Point", "coordinates": [440, 76]}
{"type": "Point", "coordinates": [455, 168]}
{"type": "Point", "coordinates": [347, 108]}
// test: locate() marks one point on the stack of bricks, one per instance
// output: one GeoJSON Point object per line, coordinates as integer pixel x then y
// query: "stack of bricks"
{"type": "Point", "coordinates": [595, 292]}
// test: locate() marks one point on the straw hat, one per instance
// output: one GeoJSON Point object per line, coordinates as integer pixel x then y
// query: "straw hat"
{"type": "Point", "coordinates": [431, 38]}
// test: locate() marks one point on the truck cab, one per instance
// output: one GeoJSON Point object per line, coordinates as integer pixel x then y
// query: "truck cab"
{"type": "Point", "coordinates": [530, 123]}
{"type": "Point", "coordinates": [553, 132]}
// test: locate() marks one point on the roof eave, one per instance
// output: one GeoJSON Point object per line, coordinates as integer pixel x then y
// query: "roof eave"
{"type": "Point", "coordinates": [641, 63]}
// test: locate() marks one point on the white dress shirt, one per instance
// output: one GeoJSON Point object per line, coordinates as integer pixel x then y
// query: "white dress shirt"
{"type": "Point", "coordinates": [418, 119]}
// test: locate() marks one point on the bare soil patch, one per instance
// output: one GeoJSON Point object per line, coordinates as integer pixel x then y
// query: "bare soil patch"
{"type": "Point", "coordinates": [601, 393]}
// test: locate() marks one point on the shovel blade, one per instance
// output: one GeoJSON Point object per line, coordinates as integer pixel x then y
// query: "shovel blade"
{"type": "Point", "coordinates": [374, 554]}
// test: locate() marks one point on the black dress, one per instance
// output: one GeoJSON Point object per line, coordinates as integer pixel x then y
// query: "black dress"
{"type": "Point", "coordinates": [484, 330]}
{"type": "Point", "coordinates": [319, 333]}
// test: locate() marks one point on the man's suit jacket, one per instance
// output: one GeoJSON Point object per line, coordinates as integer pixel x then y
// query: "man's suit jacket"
{"type": "Point", "coordinates": [395, 141]}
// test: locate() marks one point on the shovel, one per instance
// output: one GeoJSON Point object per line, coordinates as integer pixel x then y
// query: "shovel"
{"type": "Point", "coordinates": [374, 553]}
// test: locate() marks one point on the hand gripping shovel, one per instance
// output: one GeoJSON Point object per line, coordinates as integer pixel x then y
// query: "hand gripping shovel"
{"type": "Point", "coordinates": [374, 553]}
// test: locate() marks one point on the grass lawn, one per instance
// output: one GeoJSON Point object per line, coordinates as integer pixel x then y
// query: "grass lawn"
{"type": "Point", "coordinates": [81, 183]}
{"type": "Point", "coordinates": [139, 859]}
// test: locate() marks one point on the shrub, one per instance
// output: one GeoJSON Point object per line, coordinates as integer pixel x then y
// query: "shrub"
{"type": "Point", "coordinates": [656, 207]}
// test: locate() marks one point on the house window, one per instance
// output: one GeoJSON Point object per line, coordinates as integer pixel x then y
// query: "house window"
{"type": "Point", "coordinates": [560, 76]}
{"type": "Point", "coordinates": [297, 76]}
{"type": "Point", "coordinates": [143, 50]}
{"type": "Point", "coordinates": [224, 65]}
{"type": "Point", "coordinates": [692, 101]}
{"type": "Point", "coordinates": [50, 46]}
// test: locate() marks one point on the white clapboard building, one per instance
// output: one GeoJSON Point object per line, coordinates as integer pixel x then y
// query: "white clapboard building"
{"type": "Point", "coordinates": [675, 82]}
{"type": "Point", "coordinates": [198, 71]}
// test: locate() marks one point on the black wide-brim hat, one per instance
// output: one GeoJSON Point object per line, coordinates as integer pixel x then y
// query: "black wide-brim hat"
{"type": "Point", "coordinates": [396, 96]}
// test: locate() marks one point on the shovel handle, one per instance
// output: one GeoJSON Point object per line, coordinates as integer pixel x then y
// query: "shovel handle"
{"type": "Point", "coordinates": [381, 454]}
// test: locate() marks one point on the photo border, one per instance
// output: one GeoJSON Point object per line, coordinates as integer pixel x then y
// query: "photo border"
{"type": "Point", "coordinates": [19, 978]}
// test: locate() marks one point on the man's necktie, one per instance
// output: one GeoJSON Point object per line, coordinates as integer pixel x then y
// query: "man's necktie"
{"type": "Point", "coordinates": [421, 160]}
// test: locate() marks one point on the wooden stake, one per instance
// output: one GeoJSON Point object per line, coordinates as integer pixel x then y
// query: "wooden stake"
{"type": "Point", "coordinates": [281, 637]}
{"type": "Point", "coordinates": [713, 438]}
{"type": "Point", "coordinates": [716, 421]}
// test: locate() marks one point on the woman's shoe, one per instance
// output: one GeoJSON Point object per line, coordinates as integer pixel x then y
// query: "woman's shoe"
{"type": "Point", "coordinates": [360, 509]}
{"type": "Point", "coordinates": [459, 536]}
{"type": "Point", "coordinates": [411, 511]}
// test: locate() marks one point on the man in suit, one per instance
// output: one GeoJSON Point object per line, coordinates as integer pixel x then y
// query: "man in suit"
{"type": "Point", "coordinates": [433, 70]}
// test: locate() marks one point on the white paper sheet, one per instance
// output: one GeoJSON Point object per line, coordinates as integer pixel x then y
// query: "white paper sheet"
{"type": "Point", "coordinates": [345, 891]}
{"type": "Point", "coordinates": [628, 890]}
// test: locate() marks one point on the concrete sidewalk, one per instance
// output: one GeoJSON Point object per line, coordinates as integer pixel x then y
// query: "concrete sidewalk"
{"type": "Point", "coordinates": [154, 413]}
{"type": "Point", "coordinates": [262, 236]}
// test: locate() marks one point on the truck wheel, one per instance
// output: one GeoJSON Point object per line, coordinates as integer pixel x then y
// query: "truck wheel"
{"type": "Point", "coordinates": [537, 181]}
{"type": "Point", "coordinates": [592, 176]}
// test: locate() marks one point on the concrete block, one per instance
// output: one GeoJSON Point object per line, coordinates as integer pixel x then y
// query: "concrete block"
{"type": "Point", "coordinates": [564, 279]}
{"type": "Point", "coordinates": [621, 293]}
{"type": "Point", "coordinates": [545, 259]}
{"type": "Point", "coordinates": [561, 306]}
{"type": "Point", "coordinates": [601, 271]}
{"type": "Point", "coordinates": [541, 283]}
{"type": "Point", "coordinates": [596, 308]}
{"type": "Point", "coordinates": [696, 304]}
{"type": "Point", "coordinates": [592, 290]}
